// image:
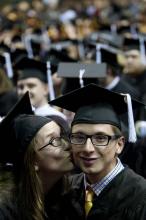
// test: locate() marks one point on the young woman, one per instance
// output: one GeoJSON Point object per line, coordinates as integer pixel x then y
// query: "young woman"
{"type": "Point", "coordinates": [38, 150]}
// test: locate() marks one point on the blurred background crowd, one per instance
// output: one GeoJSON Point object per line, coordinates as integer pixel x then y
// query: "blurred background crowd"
{"type": "Point", "coordinates": [40, 34]}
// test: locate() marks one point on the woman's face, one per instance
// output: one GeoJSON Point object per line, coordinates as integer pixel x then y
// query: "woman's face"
{"type": "Point", "coordinates": [52, 159]}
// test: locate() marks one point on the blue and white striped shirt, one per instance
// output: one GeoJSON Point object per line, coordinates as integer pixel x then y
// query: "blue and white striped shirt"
{"type": "Point", "coordinates": [98, 187]}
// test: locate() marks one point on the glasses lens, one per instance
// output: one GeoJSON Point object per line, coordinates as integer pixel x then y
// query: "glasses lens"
{"type": "Point", "coordinates": [100, 140]}
{"type": "Point", "coordinates": [59, 141]}
{"type": "Point", "coordinates": [77, 138]}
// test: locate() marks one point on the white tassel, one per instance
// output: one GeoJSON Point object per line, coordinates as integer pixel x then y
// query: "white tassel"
{"type": "Point", "coordinates": [50, 82]}
{"type": "Point", "coordinates": [131, 125]}
{"type": "Point", "coordinates": [81, 73]}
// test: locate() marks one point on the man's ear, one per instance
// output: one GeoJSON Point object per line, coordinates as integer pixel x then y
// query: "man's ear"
{"type": "Point", "coordinates": [120, 145]}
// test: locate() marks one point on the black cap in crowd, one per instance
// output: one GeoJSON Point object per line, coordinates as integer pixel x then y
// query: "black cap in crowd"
{"type": "Point", "coordinates": [77, 75]}
{"type": "Point", "coordinates": [27, 68]}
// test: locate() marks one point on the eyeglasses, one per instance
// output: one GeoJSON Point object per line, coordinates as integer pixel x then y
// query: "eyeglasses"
{"type": "Point", "coordinates": [96, 139]}
{"type": "Point", "coordinates": [56, 142]}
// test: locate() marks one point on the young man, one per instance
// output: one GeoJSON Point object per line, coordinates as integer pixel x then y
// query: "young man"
{"type": "Point", "coordinates": [32, 77]}
{"type": "Point", "coordinates": [97, 140]}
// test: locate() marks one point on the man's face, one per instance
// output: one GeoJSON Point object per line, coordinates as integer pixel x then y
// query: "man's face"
{"type": "Point", "coordinates": [95, 161]}
{"type": "Point", "coordinates": [37, 89]}
{"type": "Point", "coordinates": [133, 62]}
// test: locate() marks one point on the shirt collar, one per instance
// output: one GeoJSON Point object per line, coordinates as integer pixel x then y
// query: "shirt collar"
{"type": "Point", "coordinates": [113, 83]}
{"type": "Point", "coordinates": [99, 186]}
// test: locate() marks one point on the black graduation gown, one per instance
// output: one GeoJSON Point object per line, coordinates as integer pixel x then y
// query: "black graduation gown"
{"type": "Point", "coordinates": [8, 209]}
{"type": "Point", "coordinates": [123, 199]}
{"type": "Point", "coordinates": [124, 87]}
{"type": "Point", "coordinates": [138, 82]}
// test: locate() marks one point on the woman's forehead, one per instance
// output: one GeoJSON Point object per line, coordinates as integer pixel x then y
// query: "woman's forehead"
{"type": "Point", "coordinates": [49, 129]}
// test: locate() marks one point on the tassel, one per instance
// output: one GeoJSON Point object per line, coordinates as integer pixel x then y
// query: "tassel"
{"type": "Point", "coordinates": [81, 73]}
{"type": "Point", "coordinates": [131, 125]}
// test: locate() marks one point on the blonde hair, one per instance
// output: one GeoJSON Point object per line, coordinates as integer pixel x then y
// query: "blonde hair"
{"type": "Point", "coordinates": [5, 82]}
{"type": "Point", "coordinates": [30, 188]}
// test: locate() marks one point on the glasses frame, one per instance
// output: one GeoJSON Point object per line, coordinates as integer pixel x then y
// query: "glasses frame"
{"type": "Point", "coordinates": [110, 137]}
{"type": "Point", "coordinates": [51, 142]}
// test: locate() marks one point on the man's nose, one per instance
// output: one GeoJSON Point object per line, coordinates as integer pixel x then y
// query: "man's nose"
{"type": "Point", "coordinates": [88, 145]}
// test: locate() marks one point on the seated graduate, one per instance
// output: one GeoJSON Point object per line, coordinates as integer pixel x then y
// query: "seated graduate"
{"type": "Point", "coordinates": [37, 149]}
{"type": "Point", "coordinates": [106, 189]}
{"type": "Point", "coordinates": [31, 75]}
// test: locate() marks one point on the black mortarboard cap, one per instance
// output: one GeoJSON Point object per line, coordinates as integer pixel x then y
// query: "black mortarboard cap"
{"type": "Point", "coordinates": [17, 55]}
{"type": "Point", "coordinates": [109, 57]}
{"type": "Point", "coordinates": [112, 39]}
{"type": "Point", "coordinates": [16, 38]}
{"type": "Point", "coordinates": [94, 104]}
{"type": "Point", "coordinates": [104, 53]}
{"type": "Point", "coordinates": [4, 48]}
{"type": "Point", "coordinates": [56, 56]}
{"type": "Point", "coordinates": [72, 70]}
{"type": "Point", "coordinates": [131, 43]}
{"type": "Point", "coordinates": [21, 107]}
{"type": "Point", "coordinates": [17, 130]}
{"type": "Point", "coordinates": [124, 29]}
{"type": "Point", "coordinates": [79, 74]}
{"type": "Point", "coordinates": [27, 68]}
{"type": "Point", "coordinates": [107, 34]}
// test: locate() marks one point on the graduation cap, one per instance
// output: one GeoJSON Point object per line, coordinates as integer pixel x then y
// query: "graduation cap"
{"type": "Point", "coordinates": [17, 130]}
{"type": "Point", "coordinates": [78, 43]}
{"type": "Point", "coordinates": [72, 70]}
{"type": "Point", "coordinates": [27, 68]}
{"type": "Point", "coordinates": [94, 104]}
{"type": "Point", "coordinates": [16, 38]}
{"type": "Point", "coordinates": [55, 56]}
{"type": "Point", "coordinates": [104, 53]}
{"type": "Point", "coordinates": [124, 28]}
{"type": "Point", "coordinates": [59, 55]}
{"type": "Point", "coordinates": [107, 35]}
{"type": "Point", "coordinates": [4, 48]}
{"type": "Point", "coordinates": [107, 54]}
{"type": "Point", "coordinates": [105, 27]}
{"type": "Point", "coordinates": [131, 43]}
{"type": "Point", "coordinates": [18, 54]}
{"type": "Point", "coordinates": [109, 57]}
{"type": "Point", "coordinates": [78, 74]}
{"type": "Point", "coordinates": [21, 107]}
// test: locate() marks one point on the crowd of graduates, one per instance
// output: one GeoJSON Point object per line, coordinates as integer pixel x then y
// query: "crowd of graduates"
{"type": "Point", "coordinates": [44, 46]}
{"type": "Point", "coordinates": [34, 33]}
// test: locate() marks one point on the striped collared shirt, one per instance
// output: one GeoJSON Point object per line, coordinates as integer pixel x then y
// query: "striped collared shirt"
{"type": "Point", "coordinates": [98, 187]}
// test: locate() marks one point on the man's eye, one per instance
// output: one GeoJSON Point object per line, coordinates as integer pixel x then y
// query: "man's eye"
{"type": "Point", "coordinates": [100, 138]}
